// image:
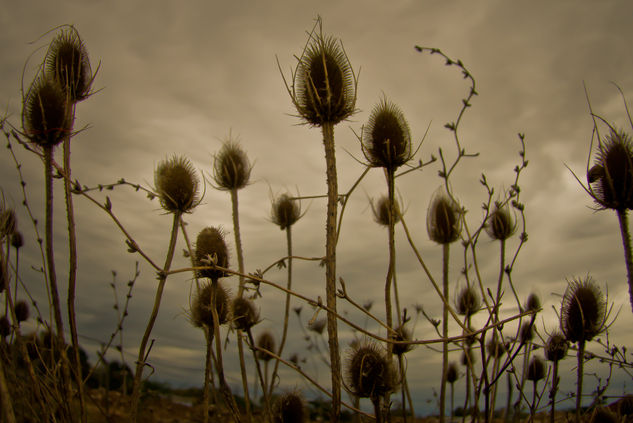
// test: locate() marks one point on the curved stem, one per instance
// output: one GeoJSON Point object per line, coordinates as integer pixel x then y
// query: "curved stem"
{"type": "Point", "coordinates": [140, 364]}
{"type": "Point", "coordinates": [628, 255]}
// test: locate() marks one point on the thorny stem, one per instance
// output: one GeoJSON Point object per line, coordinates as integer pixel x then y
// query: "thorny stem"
{"type": "Point", "coordinates": [628, 254]}
{"type": "Point", "coordinates": [330, 268]}
{"type": "Point", "coordinates": [259, 371]}
{"type": "Point", "coordinates": [140, 364]}
{"type": "Point", "coordinates": [207, 373]}
{"type": "Point", "coordinates": [390, 280]}
{"type": "Point", "coordinates": [496, 360]}
{"type": "Point", "coordinates": [445, 266]}
{"type": "Point", "coordinates": [579, 375]}
{"type": "Point", "coordinates": [553, 390]}
{"type": "Point", "coordinates": [287, 309]}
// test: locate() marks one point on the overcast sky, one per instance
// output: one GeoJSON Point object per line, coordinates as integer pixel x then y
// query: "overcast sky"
{"type": "Point", "coordinates": [179, 77]}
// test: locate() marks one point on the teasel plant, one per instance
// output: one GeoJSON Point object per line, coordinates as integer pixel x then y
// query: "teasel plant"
{"type": "Point", "coordinates": [536, 371]}
{"type": "Point", "coordinates": [232, 172]}
{"type": "Point", "coordinates": [444, 225]}
{"type": "Point", "coordinates": [177, 187]}
{"type": "Point", "coordinates": [583, 315]}
{"type": "Point", "coordinates": [555, 350]}
{"type": "Point", "coordinates": [323, 89]}
{"type": "Point", "coordinates": [285, 212]}
{"type": "Point", "coordinates": [403, 334]}
{"type": "Point", "coordinates": [290, 408]}
{"type": "Point", "coordinates": [468, 304]}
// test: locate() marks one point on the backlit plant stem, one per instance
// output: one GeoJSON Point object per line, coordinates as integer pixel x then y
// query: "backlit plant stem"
{"type": "Point", "coordinates": [628, 254]}
{"type": "Point", "coordinates": [445, 267]}
{"type": "Point", "coordinates": [579, 376]}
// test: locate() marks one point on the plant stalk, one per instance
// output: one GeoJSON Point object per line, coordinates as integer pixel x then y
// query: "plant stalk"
{"type": "Point", "coordinates": [445, 267]}
{"type": "Point", "coordinates": [628, 254]}
{"type": "Point", "coordinates": [579, 376]}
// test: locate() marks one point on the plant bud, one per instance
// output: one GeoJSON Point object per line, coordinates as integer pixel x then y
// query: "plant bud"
{"type": "Point", "coordinates": [468, 302]}
{"type": "Point", "coordinates": [210, 245]}
{"type": "Point", "coordinates": [495, 348]}
{"type": "Point", "coordinates": [583, 310]}
{"type": "Point", "coordinates": [451, 373]}
{"type": "Point", "coordinates": [533, 303]}
{"type": "Point", "coordinates": [265, 341]}
{"type": "Point", "coordinates": [443, 220]}
{"type": "Point", "coordinates": [382, 212]}
{"type": "Point", "coordinates": [231, 168]}
{"type": "Point", "coordinates": [368, 372]}
{"type": "Point", "coordinates": [17, 240]}
{"type": "Point", "coordinates": [46, 112]}
{"type": "Point", "coordinates": [5, 327]}
{"type": "Point", "coordinates": [177, 185]}
{"type": "Point", "coordinates": [556, 347]}
{"type": "Point", "coordinates": [402, 334]}
{"type": "Point", "coordinates": [285, 211]}
{"type": "Point", "coordinates": [290, 408]}
{"type": "Point", "coordinates": [22, 311]}
{"type": "Point", "coordinates": [201, 312]}
{"type": "Point", "coordinates": [536, 369]}
{"type": "Point", "coordinates": [245, 315]}
{"type": "Point", "coordinates": [318, 325]}
{"type": "Point", "coordinates": [526, 334]}
{"type": "Point", "coordinates": [468, 358]}
{"type": "Point", "coordinates": [500, 225]}
{"type": "Point", "coordinates": [386, 140]}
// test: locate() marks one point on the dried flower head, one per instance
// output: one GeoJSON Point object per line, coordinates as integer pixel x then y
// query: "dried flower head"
{"type": "Point", "coordinates": [468, 358]}
{"type": "Point", "coordinates": [46, 112]}
{"type": "Point", "coordinates": [245, 315]}
{"type": "Point", "coordinates": [202, 309]}
{"type": "Point", "coordinates": [324, 84]}
{"type": "Point", "coordinates": [536, 369]}
{"type": "Point", "coordinates": [533, 303]}
{"type": "Point", "coordinates": [495, 348]}
{"type": "Point", "coordinates": [17, 240]}
{"type": "Point", "coordinates": [386, 139]}
{"type": "Point", "coordinates": [290, 408]}
{"type": "Point", "coordinates": [500, 224]}
{"type": "Point", "coordinates": [285, 211]}
{"type": "Point", "coordinates": [318, 325]}
{"type": "Point", "coordinates": [67, 62]}
{"type": "Point", "coordinates": [22, 311]}
{"type": "Point", "coordinates": [210, 246]}
{"type": "Point", "coordinates": [583, 310]}
{"type": "Point", "coordinates": [382, 212]}
{"type": "Point", "coordinates": [231, 167]}
{"type": "Point", "coordinates": [443, 220]}
{"type": "Point", "coordinates": [526, 333]}
{"type": "Point", "coordinates": [452, 374]}
{"type": "Point", "coordinates": [468, 302]}
{"type": "Point", "coordinates": [5, 326]}
{"type": "Point", "coordinates": [556, 347]}
{"type": "Point", "coordinates": [368, 372]}
{"type": "Point", "coordinates": [177, 185]}
{"type": "Point", "coordinates": [265, 341]}
{"type": "Point", "coordinates": [611, 177]}
{"type": "Point", "coordinates": [402, 334]}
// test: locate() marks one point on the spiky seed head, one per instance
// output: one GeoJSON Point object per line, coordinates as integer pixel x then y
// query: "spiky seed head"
{"type": "Point", "coordinates": [536, 369]}
{"type": "Point", "coordinates": [210, 244]}
{"type": "Point", "coordinates": [556, 347]}
{"type": "Point", "coordinates": [468, 358]}
{"type": "Point", "coordinates": [368, 372]}
{"type": "Point", "coordinates": [290, 408]}
{"type": "Point", "coordinates": [17, 240]}
{"type": "Point", "coordinates": [324, 86]}
{"type": "Point", "coordinates": [67, 62]}
{"type": "Point", "coordinates": [177, 185]}
{"type": "Point", "coordinates": [625, 405]}
{"type": "Point", "coordinates": [202, 309]}
{"type": "Point", "coordinates": [285, 211]}
{"type": "Point", "coordinates": [611, 178]}
{"type": "Point", "coordinates": [22, 311]}
{"type": "Point", "coordinates": [382, 212]}
{"type": "Point", "coordinates": [386, 140]}
{"type": "Point", "coordinates": [495, 348]}
{"type": "Point", "coordinates": [265, 341]}
{"type": "Point", "coordinates": [604, 415]}
{"type": "Point", "coordinates": [245, 315]}
{"type": "Point", "coordinates": [533, 303]}
{"type": "Point", "coordinates": [526, 333]}
{"type": "Point", "coordinates": [8, 223]}
{"type": "Point", "coordinates": [231, 167]}
{"type": "Point", "coordinates": [443, 220]}
{"type": "Point", "coordinates": [468, 302]}
{"type": "Point", "coordinates": [583, 310]}
{"type": "Point", "coordinates": [452, 374]}
{"type": "Point", "coordinates": [402, 334]}
{"type": "Point", "coordinates": [500, 224]}
{"type": "Point", "coordinates": [318, 325]}
{"type": "Point", "coordinates": [5, 326]}
{"type": "Point", "coordinates": [46, 112]}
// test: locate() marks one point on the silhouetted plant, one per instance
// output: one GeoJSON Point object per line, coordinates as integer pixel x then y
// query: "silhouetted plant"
{"type": "Point", "coordinates": [290, 408]}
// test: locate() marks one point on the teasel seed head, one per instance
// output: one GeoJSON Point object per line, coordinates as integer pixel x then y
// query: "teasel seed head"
{"type": "Point", "coordinates": [201, 311]}
{"type": "Point", "coordinates": [324, 84]}
{"type": "Point", "coordinates": [22, 311]}
{"type": "Point", "coordinates": [245, 315]}
{"type": "Point", "coordinates": [452, 374]}
{"type": "Point", "coordinates": [177, 184]}
{"type": "Point", "coordinates": [495, 348]}
{"type": "Point", "coordinates": [583, 310]}
{"type": "Point", "coordinates": [625, 406]}
{"type": "Point", "coordinates": [533, 303]}
{"type": "Point", "coordinates": [231, 167]}
{"type": "Point", "coordinates": [536, 369]}
{"type": "Point", "coordinates": [500, 224]}
{"type": "Point", "coordinates": [604, 415]}
{"type": "Point", "coordinates": [382, 212]}
{"type": "Point", "coordinates": [556, 347]}
{"type": "Point", "coordinates": [443, 220]}
{"type": "Point", "coordinates": [611, 178]}
{"type": "Point", "coordinates": [402, 334]}
{"type": "Point", "coordinates": [286, 211]}
{"type": "Point", "coordinates": [67, 62]}
{"type": "Point", "coordinates": [17, 240]}
{"type": "Point", "coordinates": [5, 326]}
{"type": "Point", "coordinates": [318, 326]}
{"type": "Point", "coordinates": [46, 112]}
{"type": "Point", "coordinates": [468, 358]}
{"type": "Point", "coordinates": [526, 334]}
{"type": "Point", "coordinates": [210, 244]}
{"type": "Point", "coordinates": [386, 139]}
{"type": "Point", "coordinates": [468, 302]}
{"type": "Point", "coordinates": [265, 341]}
{"type": "Point", "coordinates": [290, 408]}
{"type": "Point", "coordinates": [368, 372]}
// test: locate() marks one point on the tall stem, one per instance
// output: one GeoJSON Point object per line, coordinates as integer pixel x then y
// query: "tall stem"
{"type": "Point", "coordinates": [628, 254]}
{"type": "Point", "coordinates": [140, 364]}
{"type": "Point", "coordinates": [330, 268]}
{"type": "Point", "coordinates": [553, 391]}
{"type": "Point", "coordinates": [579, 375]}
{"type": "Point", "coordinates": [262, 382]}
{"type": "Point", "coordinates": [287, 308]}
{"type": "Point", "coordinates": [207, 373]}
{"type": "Point", "coordinates": [445, 262]}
